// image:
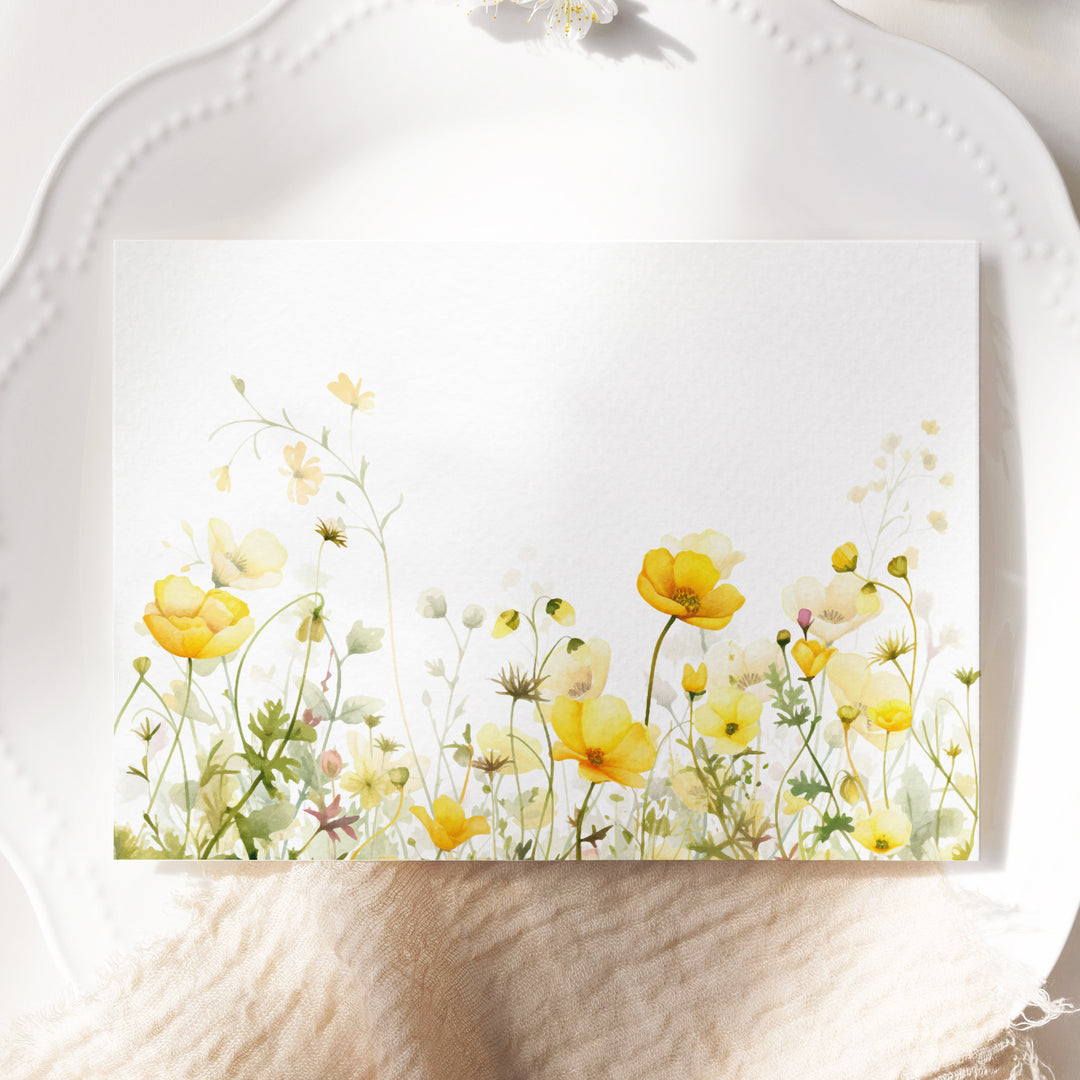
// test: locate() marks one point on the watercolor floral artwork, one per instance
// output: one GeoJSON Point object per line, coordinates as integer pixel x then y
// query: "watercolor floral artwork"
{"type": "Point", "coordinates": [277, 706]}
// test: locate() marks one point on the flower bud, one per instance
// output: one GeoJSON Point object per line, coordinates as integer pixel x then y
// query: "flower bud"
{"type": "Point", "coordinates": [898, 566]}
{"type": "Point", "coordinates": [398, 776]}
{"type": "Point", "coordinates": [848, 714]}
{"type": "Point", "coordinates": [141, 664]}
{"type": "Point", "coordinates": [330, 763]}
{"type": "Point", "coordinates": [867, 601]}
{"type": "Point", "coordinates": [783, 638]}
{"type": "Point", "coordinates": [849, 790]}
{"type": "Point", "coordinates": [845, 558]}
{"type": "Point", "coordinates": [561, 612]}
{"type": "Point", "coordinates": [473, 617]}
{"type": "Point", "coordinates": [432, 604]}
{"type": "Point", "coordinates": [693, 682]}
{"type": "Point", "coordinates": [805, 618]}
{"type": "Point", "coordinates": [507, 622]}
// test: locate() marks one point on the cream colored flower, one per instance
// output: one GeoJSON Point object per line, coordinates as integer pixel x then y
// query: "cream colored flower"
{"type": "Point", "coordinates": [344, 389]}
{"type": "Point", "coordinates": [577, 675]}
{"type": "Point", "coordinates": [929, 461]}
{"type": "Point", "coordinates": [731, 717]}
{"type": "Point", "coordinates": [854, 681]}
{"type": "Point", "coordinates": [690, 791]}
{"type": "Point", "coordinates": [912, 556]}
{"type": "Point", "coordinates": [255, 563]}
{"type": "Point", "coordinates": [947, 480]}
{"type": "Point", "coordinates": [496, 741]}
{"type": "Point", "coordinates": [367, 781]}
{"type": "Point", "coordinates": [880, 462]}
{"type": "Point", "coordinates": [834, 608]}
{"type": "Point", "coordinates": [175, 700]}
{"type": "Point", "coordinates": [857, 494]}
{"type": "Point", "coordinates": [731, 665]}
{"type": "Point", "coordinates": [937, 521]}
{"type": "Point", "coordinates": [793, 804]}
{"type": "Point", "coordinates": [715, 545]}
{"type": "Point", "coordinates": [878, 484]}
{"type": "Point", "coordinates": [305, 476]}
{"type": "Point", "coordinates": [931, 427]}
{"type": "Point", "coordinates": [890, 443]}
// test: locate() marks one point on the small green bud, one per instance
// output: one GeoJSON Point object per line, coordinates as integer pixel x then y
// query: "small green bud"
{"type": "Point", "coordinates": [238, 383]}
{"type": "Point", "coordinates": [849, 790]}
{"type": "Point", "coordinates": [848, 714]}
{"type": "Point", "coordinates": [398, 776]}
{"type": "Point", "coordinates": [898, 566]}
{"type": "Point", "coordinates": [783, 638]}
{"type": "Point", "coordinates": [141, 664]}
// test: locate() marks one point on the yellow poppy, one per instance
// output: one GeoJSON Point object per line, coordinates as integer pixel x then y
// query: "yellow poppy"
{"type": "Point", "coordinates": [344, 389]}
{"type": "Point", "coordinates": [731, 717]}
{"type": "Point", "coordinates": [883, 831]}
{"type": "Point", "coordinates": [186, 621]}
{"type": "Point", "coordinates": [684, 585]}
{"type": "Point", "coordinates": [811, 656]}
{"type": "Point", "coordinates": [694, 682]}
{"type": "Point", "coordinates": [599, 734]}
{"type": "Point", "coordinates": [892, 715]}
{"type": "Point", "coordinates": [221, 478]}
{"type": "Point", "coordinates": [450, 827]}
{"type": "Point", "coordinates": [304, 476]}
{"type": "Point", "coordinates": [845, 558]}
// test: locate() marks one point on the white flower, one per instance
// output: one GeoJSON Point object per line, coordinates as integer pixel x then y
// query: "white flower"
{"type": "Point", "coordinates": [432, 604]}
{"type": "Point", "coordinates": [729, 664]}
{"type": "Point", "coordinates": [573, 18]}
{"type": "Point", "coordinates": [833, 607]}
{"type": "Point", "coordinates": [577, 675]}
{"type": "Point", "coordinates": [716, 545]}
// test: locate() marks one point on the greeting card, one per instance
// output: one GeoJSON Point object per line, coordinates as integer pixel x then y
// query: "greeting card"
{"type": "Point", "coordinates": [517, 552]}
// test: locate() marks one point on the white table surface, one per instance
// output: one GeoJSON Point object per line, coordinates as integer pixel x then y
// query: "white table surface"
{"type": "Point", "coordinates": [49, 78]}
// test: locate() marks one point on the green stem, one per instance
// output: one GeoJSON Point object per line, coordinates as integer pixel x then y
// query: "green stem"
{"type": "Point", "coordinates": [884, 774]}
{"type": "Point", "coordinates": [138, 682]}
{"type": "Point", "coordinates": [581, 820]}
{"type": "Point", "coordinates": [652, 668]}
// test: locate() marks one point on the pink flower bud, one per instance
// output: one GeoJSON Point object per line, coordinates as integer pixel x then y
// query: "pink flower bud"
{"type": "Point", "coordinates": [806, 617]}
{"type": "Point", "coordinates": [330, 763]}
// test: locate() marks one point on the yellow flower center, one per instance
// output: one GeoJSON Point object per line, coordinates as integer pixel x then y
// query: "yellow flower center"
{"type": "Point", "coordinates": [594, 757]}
{"type": "Point", "coordinates": [730, 729]}
{"type": "Point", "coordinates": [881, 843]}
{"type": "Point", "coordinates": [688, 598]}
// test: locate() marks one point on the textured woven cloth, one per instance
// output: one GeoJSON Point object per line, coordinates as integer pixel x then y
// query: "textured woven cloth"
{"type": "Point", "coordinates": [471, 972]}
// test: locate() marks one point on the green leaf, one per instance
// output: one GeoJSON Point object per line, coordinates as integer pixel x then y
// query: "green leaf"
{"type": "Point", "coordinates": [462, 755]}
{"type": "Point", "coordinates": [340, 497]}
{"type": "Point", "coordinates": [238, 383]}
{"type": "Point", "coordinates": [270, 819]}
{"type": "Point", "coordinates": [807, 788]}
{"type": "Point", "coordinates": [521, 851]}
{"type": "Point", "coordinates": [390, 513]}
{"type": "Point", "coordinates": [363, 639]}
{"type": "Point", "coordinates": [832, 823]}
{"type": "Point", "coordinates": [177, 794]}
{"type": "Point", "coordinates": [325, 440]}
{"type": "Point", "coordinates": [358, 708]}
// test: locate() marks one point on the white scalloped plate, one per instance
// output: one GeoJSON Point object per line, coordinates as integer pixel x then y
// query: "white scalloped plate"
{"type": "Point", "coordinates": [734, 119]}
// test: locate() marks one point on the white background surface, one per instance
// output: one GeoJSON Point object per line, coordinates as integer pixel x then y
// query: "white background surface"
{"type": "Point", "coordinates": [57, 58]}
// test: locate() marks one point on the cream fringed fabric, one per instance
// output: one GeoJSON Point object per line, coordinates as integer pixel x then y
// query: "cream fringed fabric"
{"type": "Point", "coordinates": [542, 972]}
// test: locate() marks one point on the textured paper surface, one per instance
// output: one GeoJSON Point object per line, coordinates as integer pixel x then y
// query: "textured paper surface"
{"type": "Point", "coordinates": [547, 415]}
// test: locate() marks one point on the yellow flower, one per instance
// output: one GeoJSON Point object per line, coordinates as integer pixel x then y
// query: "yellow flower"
{"type": "Point", "coordinates": [883, 831]}
{"type": "Point", "coordinates": [717, 546]}
{"type": "Point", "coordinates": [599, 734]}
{"type": "Point", "coordinates": [693, 682]}
{"type": "Point", "coordinates": [931, 427]}
{"type": "Point", "coordinates": [497, 742]}
{"type": "Point", "coordinates": [891, 715]}
{"type": "Point", "coordinates": [255, 564]}
{"type": "Point", "coordinates": [929, 461]}
{"type": "Point", "coordinates": [947, 480]}
{"type": "Point", "coordinates": [313, 624]}
{"type": "Point", "coordinates": [684, 585]}
{"type": "Point", "coordinates": [366, 780]}
{"type": "Point", "coordinates": [346, 390]}
{"type": "Point", "coordinates": [730, 716]}
{"type": "Point", "coordinates": [937, 520]}
{"type": "Point", "coordinates": [793, 803]}
{"type": "Point", "coordinates": [855, 683]}
{"type": "Point", "coordinates": [450, 828]}
{"type": "Point", "coordinates": [186, 621]}
{"type": "Point", "coordinates": [221, 478]}
{"type": "Point", "coordinates": [890, 443]}
{"type": "Point", "coordinates": [690, 791]}
{"type": "Point", "coordinates": [845, 558]}
{"type": "Point", "coordinates": [304, 476]}
{"type": "Point", "coordinates": [857, 493]}
{"type": "Point", "coordinates": [811, 656]}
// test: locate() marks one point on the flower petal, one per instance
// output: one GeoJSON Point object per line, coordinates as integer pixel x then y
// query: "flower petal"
{"type": "Point", "coordinates": [635, 753]}
{"type": "Point", "coordinates": [658, 567]}
{"type": "Point", "coordinates": [261, 552]}
{"type": "Point", "coordinates": [604, 722]}
{"type": "Point", "coordinates": [177, 596]}
{"type": "Point", "coordinates": [449, 814]}
{"type": "Point", "coordinates": [228, 640]}
{"type": "Point", "coordinates": [474, 826]}
{"type": "Point", "coordinates": [566, 721]}
{"type": "Point", "coordinates": [694, 571]}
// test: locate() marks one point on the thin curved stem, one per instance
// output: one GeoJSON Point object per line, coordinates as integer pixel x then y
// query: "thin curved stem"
{"type": "Point", "coordinates": [652, 667]}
